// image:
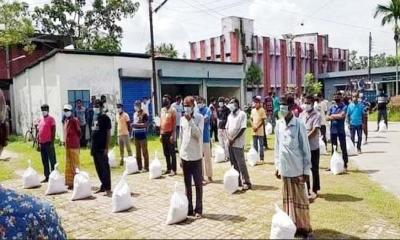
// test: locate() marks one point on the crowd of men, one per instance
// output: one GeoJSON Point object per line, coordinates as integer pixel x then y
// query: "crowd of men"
{"type": "Point", "coordinates": [188, 125]}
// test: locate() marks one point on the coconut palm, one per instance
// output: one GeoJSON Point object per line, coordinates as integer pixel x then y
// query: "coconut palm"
{"type": "Point", "coordinates": [390, 13]}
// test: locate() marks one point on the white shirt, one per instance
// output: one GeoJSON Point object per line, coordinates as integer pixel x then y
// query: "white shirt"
{"type": "Point", "coordinates": [179, 111]}
{"type": "Point", "coordinates": [236, 122]}
{"type": "Point", "coordinates": [191, 137]}
{"type": "Point", "coordinates": [322, 108]}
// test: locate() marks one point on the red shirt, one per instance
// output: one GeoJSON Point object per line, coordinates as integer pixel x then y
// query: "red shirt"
{"type": "Point", "coordinates": [72, 133]}
{"type": "Point", "coordinates": [45, 126]}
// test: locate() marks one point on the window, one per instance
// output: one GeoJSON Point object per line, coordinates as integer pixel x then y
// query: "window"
{"type": "Point", "coordinates": [83, 95]}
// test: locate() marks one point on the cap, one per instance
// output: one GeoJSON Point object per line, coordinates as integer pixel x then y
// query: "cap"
{"type": "Point", "coordinates": [258, 98]}
{"type": "Point", "coordinates": [68, 107]}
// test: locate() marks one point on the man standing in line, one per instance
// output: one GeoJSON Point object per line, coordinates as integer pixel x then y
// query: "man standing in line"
{"type": "Point", "coordinates": [313, 124]}
{"type": "Point", "coordinates": [355, 113]}
{"type": "Point", "coordinates": [90, 119]}
{"type": "Point", "coordinates": [269, 109]}
{"type": "Point", "coordinates": [276, 106]}
{"type": "Point", "coordinates": [191, 154]}
{"type": "Point", "coordinates": [207, 163]}
{"type": "Point", "coordinates": [222, 114]}
{"type": "Point", "coordinates": [337, 116]}
{"type": "Point", "coordinates": [99, 150]}
{"type": "Point", "coordinates": [140, 123]}
{"type": "Point", "coordinates": [235, 128]}
{"type": "Point", "coordinates": [258, 117]}
{"type": "Point", "coordinates": [123, 129]}
{"type": "Point", "coordinates": [382, 102]}
{"type": "Point", "coordinates": [168, 134]}
{"type": "Point", "coordinates": [292, 162]}
{"type": "Point", "coordinates": [322, 108]}
{"type": "Point", "coordinates": [178, 106]}
{"type": "Point", "coordinates": [72, 132]}
{"type": "Point", "coordinates": [80, 113]}
{"type": "Point", "coordinates": [214, 119]}
{"type": "Point", "coordinates": [47, 134]}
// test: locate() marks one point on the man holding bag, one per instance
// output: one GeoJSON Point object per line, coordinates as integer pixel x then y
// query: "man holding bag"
{"type": "Point", "coordinates": [293, 163]}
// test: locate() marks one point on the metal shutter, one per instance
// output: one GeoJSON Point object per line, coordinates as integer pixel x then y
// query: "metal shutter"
{"type": "Point", "coordinates": [134, 89]}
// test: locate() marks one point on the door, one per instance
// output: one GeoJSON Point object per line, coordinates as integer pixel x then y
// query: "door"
{"type": "Point", "coordinates": [135, 89]}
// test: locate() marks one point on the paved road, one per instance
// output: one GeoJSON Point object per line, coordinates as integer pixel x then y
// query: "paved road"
{"type": "Point", "coordinates": [381, 157]}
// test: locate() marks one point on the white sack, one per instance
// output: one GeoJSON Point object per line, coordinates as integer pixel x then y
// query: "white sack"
{"type": "Point", "coordinates": [219, 154]}
{"type": "Point", "coordinates": [82, 186]}
{"type": "Point", "coordinates": [56, 182]}
{"type": "Point", "coordinates": [131, 165]}
{"type": "Point", "coordinates": [112, 160]}
{"type": "Point", "coordinates": [231, 180]}
{"type": "Point", "coordinates": [155, 169]}
{"type": "Point", "coordinates": [282, 226]}
{"type": "Point", "coordinates": [178, 208]}
{"type": "Point", "coordinates": [253, 157]}
{"type": "Point", "coordinates": [30, 178]}
{"type": "Point", "coordinates": [121, 197]}
{"type": "Point", "coordinates": [337, 163]}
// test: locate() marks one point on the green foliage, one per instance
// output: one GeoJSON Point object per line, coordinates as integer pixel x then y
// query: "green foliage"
{"type": "Point", "coordinates": [311, 85]}
{"type": "Point", "coordinates": [253, 75]}
{"type": "Point", "coordinates": [89, 28]}
{"type": "Point", "coordinates": [164, 50]}
{"type": "Point", "coordinates": [16, 24]}
{"type": "Point", "coordinates": [378, 60]}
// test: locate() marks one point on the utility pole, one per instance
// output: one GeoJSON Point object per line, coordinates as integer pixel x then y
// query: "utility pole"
{"type": "Point", "coordinates": [369, 57]}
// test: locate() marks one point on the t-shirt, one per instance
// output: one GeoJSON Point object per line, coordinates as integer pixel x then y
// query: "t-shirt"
{"type": "Point", "coordinates": [382, 100]}
{"type": "Point", "coordinates": [236, 121]}
{"type": "Point", "coordinates": [258, 116]}
{"type": "Point", "coordinates": [179, 112]}
{"type": "Point", "coordinates": [140, 118]}
{"type": "Point", "coordinates": [206, 112]}
{"type": "Point", "coordinates": [276, 105]}
{"type": "Point", "coordinates": [313, 120]}
{"type": "Point", "coordinates": [72, 133]}
{"type": "Point", "coordinates": [45, 126]}
{"type": "Point", "coordinates": [99, 132]}
{"type": "Point", "coordinates": [337, 126]}
{"type": "Point", "coordinates": [355, 113]}
{"type": "Point", "coordinates": [122, 122]}
{"type": "Point", "coordinates": [168, 120]}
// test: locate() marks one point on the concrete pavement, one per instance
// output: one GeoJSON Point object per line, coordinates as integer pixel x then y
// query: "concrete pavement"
{"type": "Point", "coordinates": [380, 157]}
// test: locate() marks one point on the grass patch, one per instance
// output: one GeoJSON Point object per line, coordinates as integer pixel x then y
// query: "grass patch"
{"type": "Point", "coordinates": [393, 116]}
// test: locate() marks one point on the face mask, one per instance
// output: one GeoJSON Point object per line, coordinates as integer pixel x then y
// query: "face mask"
{"type": "Point", "coordinates": [309, 107]}
{"type": "Point", "coordinates": [220, 104]}
{"type": "Point", "coordinates": [188, 110]}
{"type": "Point", "coordinates": [303, 106]}
{"type": "Point", "coordinates": [361, 95]}
{"type": "Point", "coordinates": [119, 110]}
{"type": "Point", "coordinates": [284, 110]}
{"type": "Point", "coordinates": [201, 105]}
{"type": "Point", "coordinates": [231, 107]}
{"type": "Point", "coordinates": [45, 113]}
{"type": "Point", "coordinates": [136, 108]}
{"type": "Point", "coordinates": [96, 110]}
{"type": "Point", "coordinates": [68, 114]}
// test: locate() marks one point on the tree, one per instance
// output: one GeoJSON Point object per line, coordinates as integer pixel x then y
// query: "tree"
{"type": "Point", "coordinates": [391, 13]}
{"type": "Point", "coordinates": [253, 75]}
{"type": "Point", "coordinates": [164, 50]}
{"type": "Point", "coordinates": [96, 28]}
{"type": "Point", "coordinates": [311, 85]}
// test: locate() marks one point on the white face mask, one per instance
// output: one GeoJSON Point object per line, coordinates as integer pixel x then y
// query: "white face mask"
{"type": "Point", "coordinates": [136, 108]}
{"type": "Point", "coordinates": [308, 107]}
{"type": "Point", "coordinates": [221, 104]}
{"type": "Point", "coordinates": [231, 107]}
{"type": "Point", "coordinates": [119, 110]}
{"type": "Point", "coordinates": [68, 114]}
{"type": "Point", "coordinates": [284, 110]}
{"type": "Point", "coordinates": [188, 110]}
{"type": "Point", "coordinates": [200, 105]}
{"type": "Point", "coordinates": [45, 113]}
{"type": "Point", "coordinates": [96, 110]}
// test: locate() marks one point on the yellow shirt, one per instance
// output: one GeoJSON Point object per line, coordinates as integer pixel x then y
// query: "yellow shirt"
{"type": "Point", "coordinates": [122, 121]}
{"type": "Point", "coordinates": [257, 118]}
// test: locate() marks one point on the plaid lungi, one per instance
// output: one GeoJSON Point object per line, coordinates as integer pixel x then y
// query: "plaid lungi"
{"type": "Point", "coordinates": [296, 204]}
{"type": "Point", "coordinates": [71, 163]}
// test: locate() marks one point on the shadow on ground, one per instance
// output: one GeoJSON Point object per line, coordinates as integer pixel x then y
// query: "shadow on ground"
{"type": "Point", "coordinates": [331, 234]}
{"type": "Point", "coordinates": [225, 217]}
{"type": "Point", "coordinates": [378, 142]}
{"type": "Point", "coordinates": [332, 197]}
{"type": "Point", "coordinates": [371, 171]}
{"type": "Point", "coordinates": [364, 152]}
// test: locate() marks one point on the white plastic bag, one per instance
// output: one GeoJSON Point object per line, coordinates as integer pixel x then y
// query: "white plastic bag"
{"type": "Point", "coordinates": [56, 182]}
{"type": "Point", "coordinates": [351, 149]}
{"type": "Point", "coordinates": [268, 129]}
{"type": "Point", "coordinates": [253, 157]}
{"type": "Point", "coordinates": [82, 186]}
{"type": "Point", "coordinates": [121, 197]}
{"type": "Point", "coordinates": [112, 160]}
{"type": "Point", "coordinates": [219, 154]}
{"type": "Point", "coordinates": [178, 208]}
{"type": "Point", "coordinates": [131, 165]}
{"type": "Point", "coordinates": [347, 130]}
{"type": "Point", "coordinates": [155, 170]}
{"type": "Point", "coordinates": [282, 226]}
{"type": "Point", "coordinates": [337, 163]}
{"type": "Point", "coordinates": [382, 127]}
{"type": "Point", "coordinates": [322, 147]}
{"type": "Point", "coordinates": [30, 178]}
{"type": "Point", "coordinates": [231, 180]}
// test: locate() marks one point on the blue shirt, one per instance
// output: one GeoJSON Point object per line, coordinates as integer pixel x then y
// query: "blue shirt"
{"type": "Point", "coordinates": [205, 111]}
{"type": "Point", "coordinates": [292, 148]}
{"type": "Point", "coordinates": [355, 113]}
{"type": "Point", "coordinates": [337, 126]}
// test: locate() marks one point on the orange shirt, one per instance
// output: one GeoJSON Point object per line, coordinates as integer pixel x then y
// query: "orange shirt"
{"type": "Point", "coordinates": [168, 120]}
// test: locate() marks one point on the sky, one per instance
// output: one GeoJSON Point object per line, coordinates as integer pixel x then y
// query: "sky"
{"type": "Point", "coordinates": [348, 22]}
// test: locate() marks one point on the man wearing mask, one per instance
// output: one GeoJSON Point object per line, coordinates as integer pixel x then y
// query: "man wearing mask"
{"type": "Point", "coordinates": [322, 108]}
{"type": "Point", "coordinates": [258, 117]}
{"type": "Point", "coordinates": [355, 113]}
{"type": "Point", "coordinates": [140, 123]}
{"type": "Point", "coordinates": [168, 134]}
{"type": "Point", "coordinates": [80, 113]}
{"type": "Point", "coordinates": [337, 116]}
{"type": "Point", "coordinates": [313, 124]}
{"type": "Point", "coordinates": [178, 106]}
{"type": "Point", "coordinates": [101, 135]}
{"type": "Point", "coordinates": [72, 132]}
{"type": "Point", "coordinates": [235, 128]}
{"type": "Point", "coordinates": [47, 134]}
{"type": "Point", "coordinates": [191, 154]}
{"type": "Point", "coordinates": [382, 102]}
{"type": "Point", "coordinates": [222, 114]}
{"type": "Point", "coordinates": [366, 106]}
{"type": "Point", "coordinates": [207, 164]}
{"type": "Point", "coordinates": [293, 163]}
{"type": "Point", "coordinates": [123, 129]}
{"type": "Point", "coordinates": [214, 119]}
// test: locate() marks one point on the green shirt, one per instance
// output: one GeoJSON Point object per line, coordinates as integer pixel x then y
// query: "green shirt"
{"type": "Point", "coordinates": [276, 104]}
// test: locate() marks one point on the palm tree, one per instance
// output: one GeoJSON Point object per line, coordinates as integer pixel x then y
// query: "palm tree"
{"type": "Point", "coordinates": [390, 13]}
